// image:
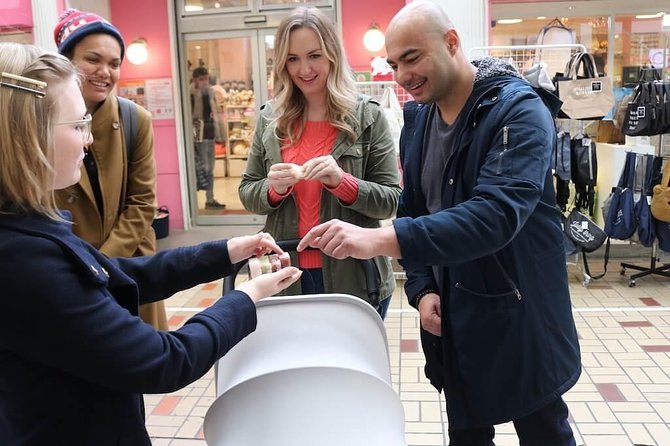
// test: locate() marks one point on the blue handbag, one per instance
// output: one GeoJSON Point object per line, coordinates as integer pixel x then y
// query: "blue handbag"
{"type": "Point", "coordinates": [620, 221]}
{"type": "Point", "coordinates": [645, 223]}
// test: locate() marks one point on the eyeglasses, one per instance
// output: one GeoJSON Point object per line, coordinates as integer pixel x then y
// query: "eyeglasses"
{"type": "Point", "coordinates": [82, 125]}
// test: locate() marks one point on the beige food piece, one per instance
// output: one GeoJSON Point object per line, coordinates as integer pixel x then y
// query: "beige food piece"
{"type": "Point", "coordinates": [297, 172]}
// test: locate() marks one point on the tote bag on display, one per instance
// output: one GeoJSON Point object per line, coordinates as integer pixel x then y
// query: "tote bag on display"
{"type": "Point", "coordinates": [584, 94]}
{"type": "Point", "coordinates": [660, 201]}
{"type": "Point", "coordinates": [645, 223]}
{"type": "Point", "coordinates": [620, 220]}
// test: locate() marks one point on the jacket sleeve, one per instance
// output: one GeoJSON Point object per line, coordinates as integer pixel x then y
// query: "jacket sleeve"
{"type": "Point", "coordinates": [508, 188]}
{"type": "Point", "coordinates": [379, 188]}
{"type": "Point", "coordinates": [72, 323]}
{"type": "Point", "coordinates": [254, 185]}
{"type": "Point", "coordinates": [139, 205]}
{"type": "Point", "coordinates": [167, 272]}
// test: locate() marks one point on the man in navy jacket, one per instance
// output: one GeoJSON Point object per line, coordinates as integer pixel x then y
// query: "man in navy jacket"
{"type": "Point", "coordinates": [479, 236]}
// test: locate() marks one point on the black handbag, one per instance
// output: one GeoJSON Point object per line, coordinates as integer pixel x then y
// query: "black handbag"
{"type": "Point", "coordinates": [583, 232]}
{"type": "Point", "coordinates": [587, 237]}
{"type": "Point", "coordinates": [649, 112]}
{"type": "Point", "coordinates": [161, 223]}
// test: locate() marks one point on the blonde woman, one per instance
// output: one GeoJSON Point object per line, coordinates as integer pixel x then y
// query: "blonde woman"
{"type": "Point", "coordinates": [74, 355]}
{"type": "Point", "coordinates": [321, 151]}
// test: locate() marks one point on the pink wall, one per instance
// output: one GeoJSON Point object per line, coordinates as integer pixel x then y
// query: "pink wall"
{"type": "Point", "coordinates": [149, 20]}
{"type": "Point", "coordinates": [357, 16]}
{"type": "Point", "coordinates": [16, 15]}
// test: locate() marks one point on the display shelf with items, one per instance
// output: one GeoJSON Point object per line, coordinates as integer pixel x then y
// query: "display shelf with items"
{"type": "Point", "coordinates": [239, 122]}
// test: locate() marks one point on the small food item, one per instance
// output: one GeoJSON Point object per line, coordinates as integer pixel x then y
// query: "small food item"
{"type": "Point", "coordinates": [297, 172]}
{"type": "Point", "coordinates": [268, 264]}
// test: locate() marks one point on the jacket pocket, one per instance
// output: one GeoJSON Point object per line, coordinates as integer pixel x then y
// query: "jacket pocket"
{"type": "Point", "coordinates": [352, 160]}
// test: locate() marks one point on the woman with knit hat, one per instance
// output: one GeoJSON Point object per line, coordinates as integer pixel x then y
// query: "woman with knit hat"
{"type": "Point", "coordinates": [114, 203]}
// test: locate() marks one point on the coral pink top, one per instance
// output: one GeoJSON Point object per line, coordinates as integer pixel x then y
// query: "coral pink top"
{"type": "Point", "coordinates": [317, 140]}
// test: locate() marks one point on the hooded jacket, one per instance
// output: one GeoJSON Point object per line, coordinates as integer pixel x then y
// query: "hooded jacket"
{"type": "Point", "coordinates": [509, 344]}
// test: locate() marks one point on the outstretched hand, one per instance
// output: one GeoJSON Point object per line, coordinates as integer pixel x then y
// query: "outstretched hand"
{"type": "Point", "coordinates": [340, 240]}
{"type": "Point", "coordinates": [270, 284]}
{"type": "Point", "coordinates": [244, 247]}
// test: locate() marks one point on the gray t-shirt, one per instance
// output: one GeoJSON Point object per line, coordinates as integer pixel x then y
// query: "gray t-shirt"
{"type": "Point", "coordinates": [438, 147]}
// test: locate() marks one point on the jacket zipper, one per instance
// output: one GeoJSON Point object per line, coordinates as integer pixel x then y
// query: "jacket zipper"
{"type": "Point", "coordinates": [505, 141]}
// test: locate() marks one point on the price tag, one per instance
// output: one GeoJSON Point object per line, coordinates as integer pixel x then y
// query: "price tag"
{"type": "Point", "coordinates": [586, 142]}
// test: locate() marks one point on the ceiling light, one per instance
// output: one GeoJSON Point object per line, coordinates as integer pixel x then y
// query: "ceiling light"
{"type": "Point", "coordinates": [193, 8]}
{"type": "Point", "coordinates": [542, 17]}
{"type": "Point", "coordinates": [508, 21]}
{"type": "Point", "coordinates": [649, 16]}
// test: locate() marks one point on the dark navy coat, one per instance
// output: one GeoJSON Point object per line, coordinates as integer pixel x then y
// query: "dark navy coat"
{"type": "Point", "coordinates": [74, 358]}
{"type": "Point", "coordinates": [509, 344]}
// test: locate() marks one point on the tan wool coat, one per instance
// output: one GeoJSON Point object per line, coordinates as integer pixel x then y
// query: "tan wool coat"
{"type": "Point", "coordinates": [128, 195]}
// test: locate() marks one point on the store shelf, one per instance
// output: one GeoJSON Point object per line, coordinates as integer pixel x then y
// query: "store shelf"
{"type": "Point", "coordinates": [238, 127]}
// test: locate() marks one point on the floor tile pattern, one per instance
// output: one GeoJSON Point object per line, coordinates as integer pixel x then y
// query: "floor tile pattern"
{"type": "Point", "coordinates": [622, 397]}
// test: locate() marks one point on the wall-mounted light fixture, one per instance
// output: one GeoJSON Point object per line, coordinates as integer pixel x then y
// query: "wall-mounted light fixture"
{"type": "Point", "coordinates": [137, 52]}
{"type": "Point", "coordinates": [373, 40]}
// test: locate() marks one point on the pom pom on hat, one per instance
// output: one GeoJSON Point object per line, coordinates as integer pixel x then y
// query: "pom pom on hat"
{"type": "Point", "coordinates": [73, 25]}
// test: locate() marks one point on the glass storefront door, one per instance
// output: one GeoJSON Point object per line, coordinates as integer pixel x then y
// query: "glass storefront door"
{"type": "Point", "coordinates": [236, 63]}
{"type": "Point", "coordinates": [239, 63]}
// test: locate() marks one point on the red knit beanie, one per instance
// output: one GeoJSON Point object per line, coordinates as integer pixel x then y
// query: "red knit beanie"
{"type": "Point", "coordinates": [74, 25]}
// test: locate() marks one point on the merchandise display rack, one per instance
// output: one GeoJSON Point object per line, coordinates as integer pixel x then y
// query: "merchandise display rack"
{"type": "Point", "coordinates": [653, 269]}
{"type": "Point", "coordinates": [524, 57]}
{"type": "Point", "coordinates": [376, 90]}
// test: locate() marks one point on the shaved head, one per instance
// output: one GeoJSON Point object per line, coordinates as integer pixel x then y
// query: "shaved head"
{"type": "Point", "coordinates": [423, 15]}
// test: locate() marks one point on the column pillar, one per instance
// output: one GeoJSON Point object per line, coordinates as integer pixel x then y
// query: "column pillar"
{"type": "Point", "coordinates": [471, 19]}
{"type": "Point", "coordinates": [45, 17]}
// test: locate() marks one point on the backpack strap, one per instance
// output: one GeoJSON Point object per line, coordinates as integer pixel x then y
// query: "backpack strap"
{"type": "Point", "coordinates": [128, 113]}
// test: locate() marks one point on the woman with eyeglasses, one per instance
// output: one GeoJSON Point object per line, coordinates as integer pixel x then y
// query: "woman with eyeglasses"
{"type": "Point", "coordinates": [75, 358]}
{"type": "Point", "coordinates": [114, 204]}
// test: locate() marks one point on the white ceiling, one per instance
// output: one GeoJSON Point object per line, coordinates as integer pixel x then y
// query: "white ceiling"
{"type": "Point", "coordinates": [578, 8]}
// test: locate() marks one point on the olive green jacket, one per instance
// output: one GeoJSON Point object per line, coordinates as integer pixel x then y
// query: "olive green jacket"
{"type": "Point", "coordinates": [371, 159]}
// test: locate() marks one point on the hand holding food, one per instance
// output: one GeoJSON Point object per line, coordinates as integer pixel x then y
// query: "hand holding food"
{"type": "Point", "coordinates": [324, 169]}
{"type": "Point", "coordinates": [241, 248]}
{"type": "Point", "coordinates": [284, 175]}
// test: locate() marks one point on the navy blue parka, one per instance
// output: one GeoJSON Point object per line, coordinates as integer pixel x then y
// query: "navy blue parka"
{"type": "Point", "coordinates": [509, 344]}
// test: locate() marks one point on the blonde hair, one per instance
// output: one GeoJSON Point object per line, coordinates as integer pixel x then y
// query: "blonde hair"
{"type": "Point", "coordinates": [27, 125]}
{"type": "Point", "coordinates": [289, 102]}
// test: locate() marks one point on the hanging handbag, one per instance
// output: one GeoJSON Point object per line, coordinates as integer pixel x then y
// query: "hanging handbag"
{"type": "Point", "coordinates": [645, 222]}
{"type": "Point", "coordinates": [583, 232]}
{"type": "Point", "coordinates": [584, 171]}
{"type": "Point", "coordinates": [660, 201]}
{"type": "Point", "coordinates": [649, 111]}
{"type": "Point", "coordinates": [587, 237]}
{"type": "Point", "coordinates": [585, 96]}
{"type": "Point", "coordinates": [620, 219]}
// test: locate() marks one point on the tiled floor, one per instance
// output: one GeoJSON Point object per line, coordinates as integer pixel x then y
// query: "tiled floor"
{"type": "Point", "coordinates": [622, 398]}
